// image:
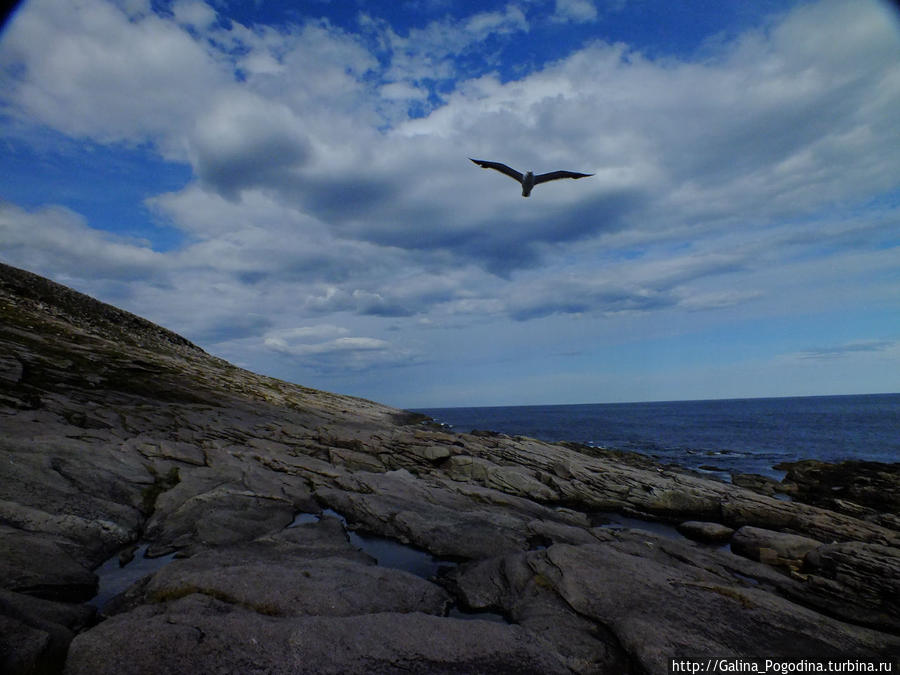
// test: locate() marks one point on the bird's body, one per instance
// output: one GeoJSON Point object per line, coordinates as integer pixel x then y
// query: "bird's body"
{"type": "Point", "coordinates": [528, 180]}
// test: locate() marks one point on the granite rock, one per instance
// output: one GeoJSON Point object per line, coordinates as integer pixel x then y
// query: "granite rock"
{"type": "Point", "coordinates": [201, 634]}
{"type": "Point", "coordinates": [774, 548]}
{"type": "Point", "coordinates": [118, 433]}
{"type": "Point", "coordinates": [707, 532]}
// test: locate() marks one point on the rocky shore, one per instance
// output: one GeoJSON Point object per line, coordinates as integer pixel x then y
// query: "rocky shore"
{"type": "Point", "coordinates": [117, 434]}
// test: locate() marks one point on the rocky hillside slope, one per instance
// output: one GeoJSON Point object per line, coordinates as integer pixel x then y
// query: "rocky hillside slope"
{"type": "Point", "coordinates": [117, 435]}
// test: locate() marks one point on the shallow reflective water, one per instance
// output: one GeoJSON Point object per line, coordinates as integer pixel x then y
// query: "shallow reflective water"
{"type": "Point", "coordinates": [386, 552]}
{"type": "Point", "coordinates": [456, 613]}
{"type": "Point", "coordinates": [396, 555]}
{"type": "Point", "coordinates": [114, 578]}
{"type": "Point", "coordinates": [614, 521]}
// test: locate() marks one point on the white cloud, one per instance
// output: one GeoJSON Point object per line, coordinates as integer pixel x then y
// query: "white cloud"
{"type": "Point", "coordinates": [510, 20]}
{"type": "Point", "coordinates": [402, 91]}
{"type": "Point", "coordinates": [288, 340]}
{"type": "Point", "coordinates": [56, 238]}
{"type": "Point", "coordinates": [578, 11]}
{"type": "Point", "coordinates": [327, 348]}
{"type": "Point", "coordinates": [719, 183]}
{"type": "Point", "coordinates": [90, 70]}
{"type": "Point", "coordinates": [430, 53]}
{"type": "Point", "coordinates": [336, 346]}
{"type": "Point", "coordinates": [246, 141]}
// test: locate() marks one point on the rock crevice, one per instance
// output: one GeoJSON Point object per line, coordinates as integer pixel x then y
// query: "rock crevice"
{"type": "Point", "coordinates": [117, 432]}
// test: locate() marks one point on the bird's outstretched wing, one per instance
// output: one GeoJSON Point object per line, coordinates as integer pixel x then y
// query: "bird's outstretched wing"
{"type": "Point", "coordinates": [497, 166]}
{"type": "Point", "coordinates": [555, 175]}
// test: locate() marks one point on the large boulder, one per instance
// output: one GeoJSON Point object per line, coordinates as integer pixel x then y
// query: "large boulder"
{"type": "Point", "coordinates": [773, 548]}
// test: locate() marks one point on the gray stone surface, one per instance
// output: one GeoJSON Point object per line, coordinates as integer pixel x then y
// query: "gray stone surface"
{"type": "Point", "coordinates": [660, 597]}
{"type": "Point", "coordinates": [283, 583]}
{"type": "Point", "coordinates": [202, 635]}
{"type": "Point", "coordinates": [776, 548]}
{"type": "Point", "coordinates": [708, 532]}
{"type": "Point", "coordinates": [41, 565]}
{"type": "Point", "coordinates": [117, 432]}
{"type": "Point", "coordinates": [856, 582]}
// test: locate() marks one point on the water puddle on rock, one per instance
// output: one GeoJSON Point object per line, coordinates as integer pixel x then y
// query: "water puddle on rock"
{"type": "Point", "coordinates": [115, 578]}
{"type": "Point", "coordinates": [386, 552]}
{"type": "Point", "coordinates": [615, 521]}
{"type": "Point", "coordinates": [457, 613]}
{"type": "Point", "coordinates": [395, 555]}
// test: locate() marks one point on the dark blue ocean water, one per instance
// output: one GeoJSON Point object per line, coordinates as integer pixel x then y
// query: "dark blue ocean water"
{"type": "Point", "coordinates": [719, 436]}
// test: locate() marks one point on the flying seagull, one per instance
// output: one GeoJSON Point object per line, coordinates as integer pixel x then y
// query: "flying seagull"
{"type": "Point", "coordinates": [528, 180]}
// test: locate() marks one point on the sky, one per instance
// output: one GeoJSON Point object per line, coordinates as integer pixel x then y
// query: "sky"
{"type": "Point", "coordinates": [287, 184]}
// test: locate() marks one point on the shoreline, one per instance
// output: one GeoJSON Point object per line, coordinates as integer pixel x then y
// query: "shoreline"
{"type": "Point", "coordinates": [117, 436]}
{"type": "Point", "coordinates": [744, 436]}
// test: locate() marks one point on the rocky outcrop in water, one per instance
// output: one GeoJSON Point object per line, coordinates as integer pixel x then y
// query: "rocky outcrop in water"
{"type": "Point", "coordinates": [541, 558]}
{"type": "Point", "coordinates": [867, 490]}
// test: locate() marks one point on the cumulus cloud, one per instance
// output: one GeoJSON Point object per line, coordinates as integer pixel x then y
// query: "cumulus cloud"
{"type": "Point", "coordinates": [95, 70]}
{"type": "Point", "coordinates": [58, 239]}
{"type": "Point", "coordinates": [327, 347]}
{"type": "Point", "coordinates": [244, 141]}
{"type": "Point", "coordinates": [194, 14]}
{"type": "Point", "coordinates": [335, 346]}
{"type": "Point", "coordinates": [755, 129]}
{"type": "Point", "coordinates": [577, 11]}
{"type": "Point", "coordinates": [342, 193]}
{"type": "Point", "coordinates": [290, 339]}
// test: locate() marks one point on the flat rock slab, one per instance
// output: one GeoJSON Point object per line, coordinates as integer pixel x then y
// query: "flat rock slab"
{"type": "Point", "coordinates": [222, 505]}
{"type": "Point", "coordinates": [319, 587]}
{"type": "Point", "coordinates": [38, 565]}
{"type": "Point", "coordinates": [708, 532]}
{"type": "Point", "coordinates": [398, 505]}
{"type": "Point", "coordinates": [652, 599]}
{"type": "Point", "coordinates": [198, 634]}
{"type": "Point", "coordinates": [115, 429]}
{"type": "Point", "coordinates": [657, 610]}
{"type": "Point", "coordinates": [777, 548]}
{"type": "Point", "coordinates": [442, 516]}
{"type": "Point", "coordinates": [308, 570]}
{"type": "Point", "coordinates": [856, 582]}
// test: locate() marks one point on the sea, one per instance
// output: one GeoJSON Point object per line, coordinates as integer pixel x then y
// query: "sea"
{"type": "Point", "coordinates": [712, 437]}
{"type": "Point", "coordinates": [715, 437]}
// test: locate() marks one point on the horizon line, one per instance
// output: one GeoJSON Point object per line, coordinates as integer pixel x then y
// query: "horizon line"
{"type": "Point", "coordinates": [688, 400]}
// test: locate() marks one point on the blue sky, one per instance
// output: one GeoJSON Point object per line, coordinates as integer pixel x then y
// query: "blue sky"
{"type": "Point", "coordinates": [287, 185]}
